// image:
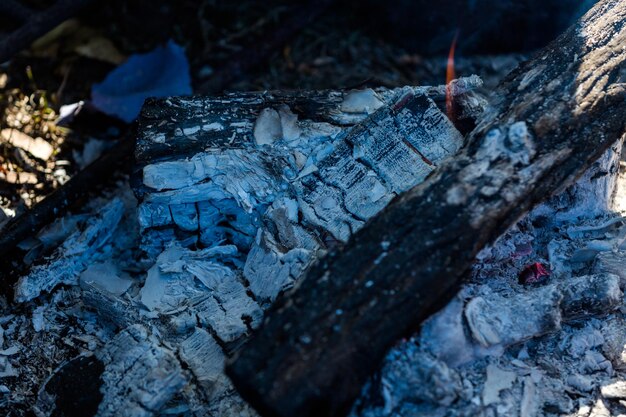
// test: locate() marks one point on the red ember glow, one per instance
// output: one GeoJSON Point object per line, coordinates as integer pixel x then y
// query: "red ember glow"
{"type": "Point", "coordinates": [534, 274]}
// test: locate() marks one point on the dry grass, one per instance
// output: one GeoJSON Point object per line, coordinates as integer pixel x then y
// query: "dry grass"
{"type": "Point", "coordinates": [32, 115]}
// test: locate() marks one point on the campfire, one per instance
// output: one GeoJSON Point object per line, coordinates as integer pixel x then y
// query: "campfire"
{"type": "Point", "coordinates": [444, 250]}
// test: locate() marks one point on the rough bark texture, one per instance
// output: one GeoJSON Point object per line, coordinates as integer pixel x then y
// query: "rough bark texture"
{"type": "Point", "coordinates": [179, 127]}
{"type": "Point", "coordinates": [550, 119]}
{"type": "Point", "coordinates": [278, 188]}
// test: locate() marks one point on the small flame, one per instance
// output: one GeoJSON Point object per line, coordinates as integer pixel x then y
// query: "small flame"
{"type": "Point", "coordinates": [450, 75]}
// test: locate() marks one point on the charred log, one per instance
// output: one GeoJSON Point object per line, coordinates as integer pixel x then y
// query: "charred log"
{"type": "Point", "coordinates": [179, 127]}
{"type": "Point", "coordinates": [281, 187]}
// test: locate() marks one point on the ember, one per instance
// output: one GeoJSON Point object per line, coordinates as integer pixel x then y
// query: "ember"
{"type": "Point", "coordinates": [534, 274]}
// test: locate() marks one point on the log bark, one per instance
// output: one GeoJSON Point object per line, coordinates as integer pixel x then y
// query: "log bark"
{"type": "Point", "coordinates": [550, 119]}
{"type": "Point", "coordinates": [179, 127]}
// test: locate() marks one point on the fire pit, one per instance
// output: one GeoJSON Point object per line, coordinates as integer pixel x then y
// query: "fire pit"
{"type": "Point", "coordinates": [452, 250]}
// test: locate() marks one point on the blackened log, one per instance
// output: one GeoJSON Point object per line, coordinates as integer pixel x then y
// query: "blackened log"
{"type": "Point", "coordinates": [550, 119]}
{"type": "Point", "coordinates": [180, 127]}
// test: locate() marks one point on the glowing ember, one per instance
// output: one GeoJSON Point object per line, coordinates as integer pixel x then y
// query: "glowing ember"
{"type": "Point", "coordinates": [533, 274]}
{"type": "Point", "coordinates": [450, 75]}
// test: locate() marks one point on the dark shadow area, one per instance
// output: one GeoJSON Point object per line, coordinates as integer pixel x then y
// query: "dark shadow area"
{"type": "Point", "coordinates": [485, 26]}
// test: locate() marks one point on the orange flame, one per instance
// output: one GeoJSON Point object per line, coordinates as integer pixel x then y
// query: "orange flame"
{"type": "Point", "coordinates": [450, 75]}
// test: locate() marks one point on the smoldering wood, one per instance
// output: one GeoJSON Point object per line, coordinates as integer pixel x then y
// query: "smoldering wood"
{"type": "Point", "coordinates": [322, 172]}
{"type": "Point", "coordinates": [591, 295]}
{"type": "Point", "coordinates": [181, 127]}
{"type": "Point", "coordinates": [96, 176]}
{"type": "Point", "coordinates": [550, 120]}
{"type": "Point", "coordinates": [501, 321]}
{"type": "Point", "coordinates": [498, 321]}
{"type": "Point", "coordinates": [265, 204]}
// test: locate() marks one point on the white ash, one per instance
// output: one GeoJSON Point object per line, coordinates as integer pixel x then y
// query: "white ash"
{"type": "Point", "coordinates": [74, 255]}
{"type": "Point", "coordinates": [555, 348]}
{"type": "Point", "coordinates": [496, 320]}
{"type": "Point", "coordinates": [191, 292]}
{"type": "Point", "coordinates": [295, 186]}
{"type": "Point", "coordinates": [136, 355]}
{"type": "Point", "coordinates": [361, 101]}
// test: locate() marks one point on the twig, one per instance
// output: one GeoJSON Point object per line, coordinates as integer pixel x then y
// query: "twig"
{"type": "Point", "coordinates": [38, 25]}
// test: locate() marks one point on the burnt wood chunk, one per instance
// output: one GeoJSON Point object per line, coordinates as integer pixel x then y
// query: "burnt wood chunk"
{"type": "Point", "coordinates": [286, 180]}
{"type": "Point", "coordinates": [549, 121]}
{"type": "Point", "coordinates": [252, 204]}
{"type": "Point", "coordinates": [180, 127]}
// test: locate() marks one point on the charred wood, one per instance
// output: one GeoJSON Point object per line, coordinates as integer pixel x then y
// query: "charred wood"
{"type": "Point", "coordinates": [265, 183]}
{"type": "Point", "coordinates": [98, 174]}
{"type": "Point", "coordinates": [181, 127]}
{"type": "Point", "coordinates": [306, 169]}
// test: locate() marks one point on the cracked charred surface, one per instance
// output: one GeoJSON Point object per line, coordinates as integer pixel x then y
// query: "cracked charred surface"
{"type": "Point", "coordinates": [284, 187]}
{"type": "Point", "coordinates": [271, 184]}
{"type": "Point", "coordinates": [550, 120]}
{"type": "Point", "coordinates": [179, 127]}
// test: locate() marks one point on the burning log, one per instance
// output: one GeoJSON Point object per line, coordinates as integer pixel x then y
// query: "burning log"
{"type": "Point", "coordinates": [252, 187]}
{"type": "Point", "coordinates": [98, 175]}
{"type": "Point", "coordinates": [550, 120]}
{"type": "Point", "coordinates": [275, 180]}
